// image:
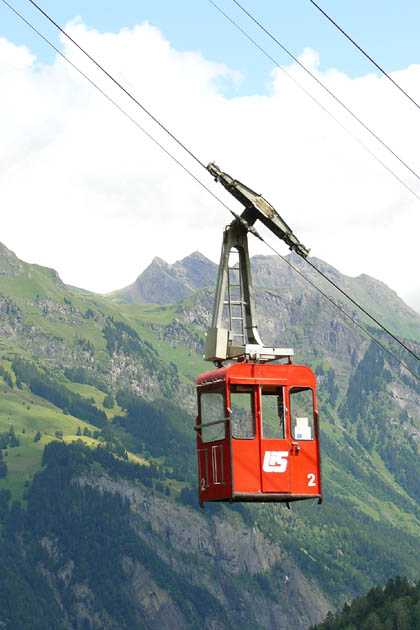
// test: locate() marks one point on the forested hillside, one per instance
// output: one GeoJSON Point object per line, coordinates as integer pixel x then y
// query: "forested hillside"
{"type": "Point", "coordinates": [107, 387]}
{"type": "Point", "coordinates": [394, 607]}
{"type": "Point", "coordinates": [76, 553]}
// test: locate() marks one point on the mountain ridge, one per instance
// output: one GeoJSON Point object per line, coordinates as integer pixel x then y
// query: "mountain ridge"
{"type": "Point", "coordinates": [69, 360]}
{"type": "Point", "coordinates": [162, 283]}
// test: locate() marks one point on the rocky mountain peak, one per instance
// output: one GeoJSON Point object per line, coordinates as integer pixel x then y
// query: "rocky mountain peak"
{"type": "Point", "coordinates": [196, 256]}
{"type": "Point", "coordinates": [9, 263]}
{"type": "Point", "coordinates": [158, 262]}
{"type": "Point", "coordinates": [163, 283]}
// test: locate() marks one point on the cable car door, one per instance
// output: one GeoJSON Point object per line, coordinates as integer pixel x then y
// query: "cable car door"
{"type": "Point", "coordinates": [274, 442]}
{"type": "Point", "coordinates": [245, 451]}
{"type": "Point", "coordinates": [304, 455]}
{"type": "Point", "coordinates": [214, 469]}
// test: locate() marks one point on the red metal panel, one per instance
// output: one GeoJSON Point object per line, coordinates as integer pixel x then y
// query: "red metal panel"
{"type": "Point", "coordinates": [275, 466]}
{"type": "Point", "coordinates": [246, 465]}
{"type": "Point", "coordinates": [203, 469]}
{"type": "Point", "coordinates": [215, 473]}
{"type": "Point", "coordinates": [305, 469]}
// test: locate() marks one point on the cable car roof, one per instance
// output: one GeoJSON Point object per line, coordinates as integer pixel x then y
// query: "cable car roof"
{"type": "Point", "coordinates": [256, 373]}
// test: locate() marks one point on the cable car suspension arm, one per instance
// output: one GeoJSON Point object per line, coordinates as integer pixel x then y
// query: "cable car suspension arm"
{"type": "Point", "coordinates": [256, 207]}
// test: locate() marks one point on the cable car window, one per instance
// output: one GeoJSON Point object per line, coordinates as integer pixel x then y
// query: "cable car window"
{"type": "Point", "coordinates": [273, 412]}
{"type": "Point", "coordinates": [242, 412]}
{"type": "Point", "coordinates": [212, 409]}
{"type": "Point", "coordinates": [302, 413]}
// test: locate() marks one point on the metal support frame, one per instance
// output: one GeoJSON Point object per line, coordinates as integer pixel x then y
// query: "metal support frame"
{"type": "Point", "coordinates": [228, 343]}
{"type": "Point", "coordinates": [235, 237]}
{"type": "Point", "coordinates": [221, 343]}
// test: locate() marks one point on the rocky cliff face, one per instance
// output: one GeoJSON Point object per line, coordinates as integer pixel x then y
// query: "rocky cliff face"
{"type": "Point", "coordinates": [162, 283]}
{"type": "Point", "coordinates": [219, 555]}
{"type": "Point", "coordinates": [10, 265]}
{"type": "Point", "coordinates": [303, 322]}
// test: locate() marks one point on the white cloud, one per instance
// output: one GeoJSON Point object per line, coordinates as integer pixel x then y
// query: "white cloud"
{"type": "Point", "coordinates": [16, 57]}
{"type": "Point", "coordinates": [83, 191]}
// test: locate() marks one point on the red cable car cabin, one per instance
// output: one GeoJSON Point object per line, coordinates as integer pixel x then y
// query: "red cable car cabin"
{"type": "Point", "coordinates": [257, 434]}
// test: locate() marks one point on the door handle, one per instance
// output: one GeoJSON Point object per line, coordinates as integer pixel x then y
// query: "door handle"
{"type": "Point", "coordinates": [295, 448]}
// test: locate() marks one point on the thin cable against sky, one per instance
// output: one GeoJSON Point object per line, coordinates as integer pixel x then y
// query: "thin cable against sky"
{"type": "Point", "coordinates": [172, 135]}
{"type": "Point", "coordinates": [133, 98]}
{"type": "Point", "coordinates": [384, 72]}
{"type": "Point", "coordinates": [215, 196]}
{"type": "Point", "coordinates": [133, 120]}
{"type": "Point", "coordinates": [327, 297]}
{"type": "Point", "coordinates": [346, 295]}
{"type": "Point", "coordinates": [324, 109]}
{"type": "Point", "coordinates": [324, 87]}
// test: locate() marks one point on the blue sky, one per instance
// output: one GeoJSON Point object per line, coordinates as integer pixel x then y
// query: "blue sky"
{"type": "Point", "coordinates": [339, 201]}
{"type": "Point", "coordinates": [388, 30]}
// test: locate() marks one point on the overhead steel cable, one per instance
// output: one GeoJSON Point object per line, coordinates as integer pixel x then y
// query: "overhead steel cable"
{"type": "Point", "coordinates": [183, 145]}
{"type": "Point", "coordinates": [342, 310]}
{"type": "Point", "coordinates": [211, 193]}
{"type": "Point", "coordinates": [326, 111]}
{"type": "Point", "coordinates": [384, 72]}
{"type": "Point", "coordinates": [325, 88]}
{"type": "Point", "coordinates": [321, 273]}
{"type": "Point", "coordinates": [377, 322]}
{"type": "Point", "coordinates": [126, 114]}
{"type": "Point", "coordinates": [133, 98]}
{"type": "Point", "coordinates": [174, 137]}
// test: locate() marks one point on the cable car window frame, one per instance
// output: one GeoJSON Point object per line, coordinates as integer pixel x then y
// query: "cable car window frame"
{"type": "Point", "coordinates": [209, 427]}
{"type": "Point", "coordinates": [247, 390]}
{"type": "Point", "coordinates": [283, 419]}
{"type": "Point", "coordinates": [311, 420]}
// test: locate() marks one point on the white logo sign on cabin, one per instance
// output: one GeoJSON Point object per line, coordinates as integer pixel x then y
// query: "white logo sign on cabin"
{"type": "Point", "coordinates": [275, 461]}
